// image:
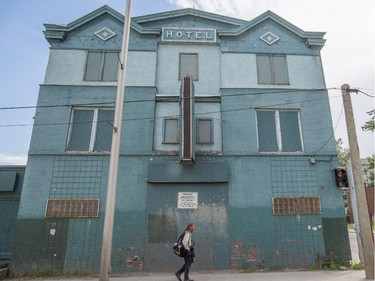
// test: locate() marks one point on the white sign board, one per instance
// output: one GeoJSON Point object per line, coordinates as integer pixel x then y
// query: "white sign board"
{"type": "Point", "coordinates": [187, 200]}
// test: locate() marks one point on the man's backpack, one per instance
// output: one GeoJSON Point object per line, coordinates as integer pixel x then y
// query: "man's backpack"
{"type": "Point", "coordinates": [178, 248]}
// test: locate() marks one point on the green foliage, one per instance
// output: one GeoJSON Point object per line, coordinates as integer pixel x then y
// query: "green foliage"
{"type": "Point", "coordinates": [41, 274]}
{"type": "Point", "coordinates": [369, 125]}
{"type": "Point", "coordinates": [343, 154]}
{"type": "Point", "coordinates": [357, 266]}
{"type": "Point", "coordinates": [331, 266]}
{"type": "Point", "coordinates": [370, 170]}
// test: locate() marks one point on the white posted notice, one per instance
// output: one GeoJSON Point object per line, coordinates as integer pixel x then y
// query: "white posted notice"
{"type": "Point", "coordinates": [187, 200]}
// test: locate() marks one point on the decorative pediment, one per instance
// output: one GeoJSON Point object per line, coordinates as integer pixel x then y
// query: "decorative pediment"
{"type": "Point", "coordinates": [152, 25]}
{"type": "Point", "coordinates": [312, 39]}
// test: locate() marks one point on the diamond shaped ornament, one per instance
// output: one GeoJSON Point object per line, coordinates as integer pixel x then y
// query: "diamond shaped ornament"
{"type": "Point", "coordinates": [105, 33]}
{"type": "Point", "coordinates": [269, 38]}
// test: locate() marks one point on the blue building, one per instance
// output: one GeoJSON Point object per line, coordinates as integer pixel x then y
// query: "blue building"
{"type": "Point", "coordinates": [11, 181]}
{"type": "Point", "coordinates": [226, 124]}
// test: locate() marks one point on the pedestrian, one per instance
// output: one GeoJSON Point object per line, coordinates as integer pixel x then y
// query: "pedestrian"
{"type": "Point", "coordinates": [188, 244]}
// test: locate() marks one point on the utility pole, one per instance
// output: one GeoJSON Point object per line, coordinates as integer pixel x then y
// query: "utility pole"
{"type": "Point", "coordinates": [105, 265]}
{"type": "Point", "coordinates": [363, 215]}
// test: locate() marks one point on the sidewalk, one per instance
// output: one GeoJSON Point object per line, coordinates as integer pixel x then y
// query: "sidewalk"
{"type": "Point", "coordinates": [348, 275]}
{"type": "Point", "coordinates": [267, 276]}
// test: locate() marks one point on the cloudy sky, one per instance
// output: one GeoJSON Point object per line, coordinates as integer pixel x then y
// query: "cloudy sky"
{"type": "Point", "coordinates": [348, 56]}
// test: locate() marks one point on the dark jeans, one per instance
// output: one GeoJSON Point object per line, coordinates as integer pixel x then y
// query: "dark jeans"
{"type": "Point", "coordinates": [186, 267]}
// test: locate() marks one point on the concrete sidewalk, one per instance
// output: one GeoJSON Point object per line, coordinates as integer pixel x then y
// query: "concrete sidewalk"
{"type": "Point", "coordinates": [348, 275]}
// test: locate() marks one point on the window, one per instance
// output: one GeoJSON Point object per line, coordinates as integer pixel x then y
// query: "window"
{"type": "Point", "coordinates": [91, 130]}
{"type": "Point", "coordinates": [170, 130]}
{"type": "Point", "coordinates": [272, 70]}
{"type": "Point", "coordinates": [279, 130]}
{"type": "Point", "coordinates": [101, 66]}
{"type": "Point", "coordinates": [204, 131]}
{"type": "Point", "coordinates": [189, 66]}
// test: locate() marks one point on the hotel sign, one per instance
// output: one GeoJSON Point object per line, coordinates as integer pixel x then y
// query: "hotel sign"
{"type": "Point", "coordinates": [194, 35]}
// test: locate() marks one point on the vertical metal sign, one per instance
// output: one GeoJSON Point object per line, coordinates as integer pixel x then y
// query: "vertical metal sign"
{"type": "Point", "coordinates": [187, 152]}
{"type": "Point", "coordinates": [105, 265]}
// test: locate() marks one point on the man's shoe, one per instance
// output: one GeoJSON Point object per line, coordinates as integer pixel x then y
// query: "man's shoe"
{"type": "Point", "coordinates": [178, 276]}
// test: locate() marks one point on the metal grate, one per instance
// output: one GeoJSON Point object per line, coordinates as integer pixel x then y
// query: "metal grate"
{"type": "Point", "coordinates": [72, 208]}
{"type": "Point", "coordinates": [296, 205]}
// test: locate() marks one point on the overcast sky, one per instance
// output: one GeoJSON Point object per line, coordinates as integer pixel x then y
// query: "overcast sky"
{"type": "Point", "coordinates": [348, 55]}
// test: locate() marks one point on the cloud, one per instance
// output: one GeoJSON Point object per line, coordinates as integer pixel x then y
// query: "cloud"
{"type": "Point", "coordinates": [233, 8]}
{"type": "Point", "coordinates": [9, 159]}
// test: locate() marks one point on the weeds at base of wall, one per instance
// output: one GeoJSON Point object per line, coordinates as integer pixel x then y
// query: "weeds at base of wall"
{"type": "Point", "coordinates": [50, 273]}
{"type": "Point", "coordinates": [313, 267]}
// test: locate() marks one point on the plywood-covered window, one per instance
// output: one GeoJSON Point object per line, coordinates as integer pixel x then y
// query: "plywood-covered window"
{"type": "Point", "coordinates": [170, 130]}
{"type": "Point", "coordinates": [272, 70]}
{"type": "Point", "coordinates": [204, 131]}
{"type": "Point", "coordinates": [188, 66]}
{"type": "Point", "coordinates": [101, 66]}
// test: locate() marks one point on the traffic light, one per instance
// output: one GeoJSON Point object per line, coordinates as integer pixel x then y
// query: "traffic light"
{"type": "Point", "coordinates": [341, 178]}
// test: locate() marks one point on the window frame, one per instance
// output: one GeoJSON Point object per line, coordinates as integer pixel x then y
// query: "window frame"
{"type": "Point", "coordinates": [278, 132]}
{"type": "Point", "coordinates": [103, 59]}
{"type": "Point", "coordinates": [93, 133]}
{"type": "Point", "coordinates": [196, 66]}
{"type": "Point", "coordinates": [211, 130]}
{"type": "Point", "coordinates": [271, 69]}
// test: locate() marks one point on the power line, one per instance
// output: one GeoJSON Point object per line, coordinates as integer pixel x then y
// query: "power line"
{"type": "Point", "coordinates": [280, 91]}
{"type": "Point", "coordinates": [271, 106]}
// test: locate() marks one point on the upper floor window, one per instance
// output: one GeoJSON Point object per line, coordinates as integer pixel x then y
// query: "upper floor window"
{"type": "Point", "coordinates": [170, 130]}
{"type": "Point", "coordinates": [204, 131]}
{"type": "Point", "coordinates": [279, 130]}
{"type": "Point", "coordinates": [272, 70]}
{"type": "Point", "coordinates": [188, 66]}
{"type": "Point", "coordinates": [101, 66]}
{"type": "Point", "coordinates": [91, 129]}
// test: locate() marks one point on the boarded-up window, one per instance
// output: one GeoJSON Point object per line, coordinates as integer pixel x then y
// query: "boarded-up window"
{"type": "Point", "coordinates": [103, 138]}
{"type": "Point", "coordinates": [101, 66]}
{"type": "Point", "coordinates": [91, 130]}
{"type": "Point", "coordinates": [170, 130]}
{"type": "Point", "coordinates": [289, 128]}
{"type": "Point", "coordinates": [296, 205]}
{"type": "Point", "coordinates": [272, 70]}
{"type": "Point", "coordinates": [189, 66]}
{"type": "Point", "coordinates": [204, 131]}
{"type": "Point", "coordinates": [279, 130]}
{"type": "Point", "coordinates": [267, 131]}
{"type": "Point", "coordinates": [72, 208]}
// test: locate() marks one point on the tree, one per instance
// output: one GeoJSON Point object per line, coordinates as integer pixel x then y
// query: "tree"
{"type": "Point", "coordinates": [370, 170]}
{"type": "Point", "coordinates": [369, 125]}
{"type": "Point", "coordinates": [343, 153]}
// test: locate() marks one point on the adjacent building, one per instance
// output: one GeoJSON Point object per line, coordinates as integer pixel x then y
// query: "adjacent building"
{"type": "Point", "coordinates": [11, 181]}
{"type": "Point", "coordinates": [226, 124]}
